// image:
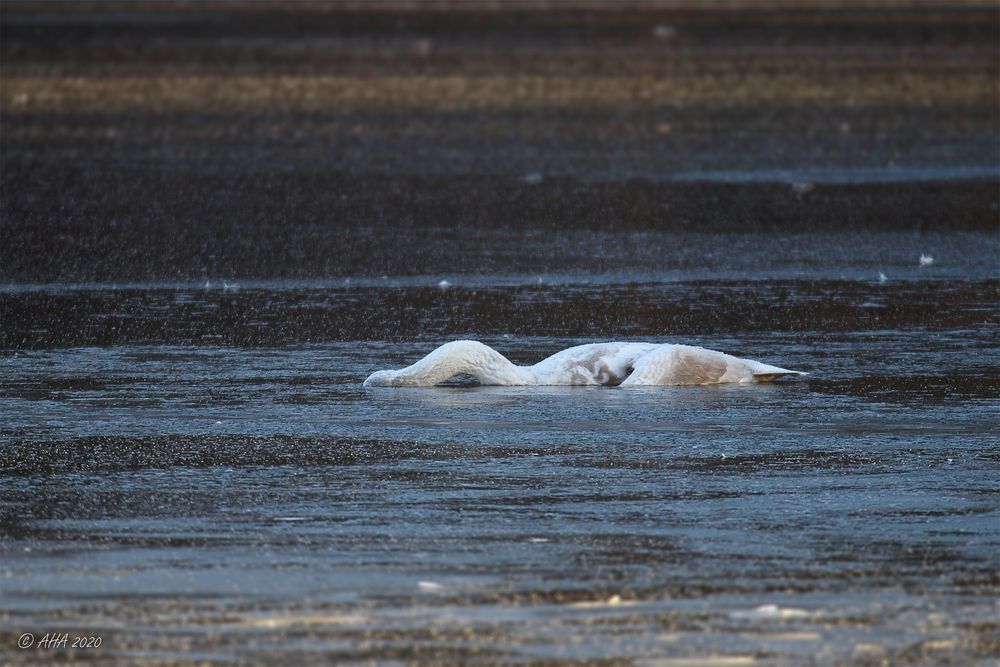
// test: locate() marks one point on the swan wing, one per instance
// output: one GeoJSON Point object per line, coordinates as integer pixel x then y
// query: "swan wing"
{"type": "Point", "coordinates": [605, 364]}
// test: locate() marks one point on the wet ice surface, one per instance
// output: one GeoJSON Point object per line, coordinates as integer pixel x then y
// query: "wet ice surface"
{"type": "Point", "coordinates": [205, 499]}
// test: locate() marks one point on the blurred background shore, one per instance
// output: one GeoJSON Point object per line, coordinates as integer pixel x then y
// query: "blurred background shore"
{"type": "Point", "coordinates": [179, 141]}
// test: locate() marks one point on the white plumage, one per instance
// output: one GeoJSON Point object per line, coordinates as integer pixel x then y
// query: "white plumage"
{"type": "Point", "coordinates": [608, 364]}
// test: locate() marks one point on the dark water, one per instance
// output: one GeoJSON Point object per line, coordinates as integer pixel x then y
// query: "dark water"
{"type": "Point", "coordinates": [217, 219]}
{"type": "Point", "coordinates": [216, 485]}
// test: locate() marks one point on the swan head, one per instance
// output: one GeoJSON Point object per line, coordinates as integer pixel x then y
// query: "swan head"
{"type": "Point", "coordinates": [382, 379]}
{"type": "Point", "coordinates": [391, 379]}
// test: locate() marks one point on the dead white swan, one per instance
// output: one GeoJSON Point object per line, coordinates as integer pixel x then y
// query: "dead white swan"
{"type": "Point", "coordinates": [609, 364]}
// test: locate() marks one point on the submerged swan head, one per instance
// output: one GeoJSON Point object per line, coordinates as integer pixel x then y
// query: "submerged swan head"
{"type": "Point", "coordinates": [384, 379]}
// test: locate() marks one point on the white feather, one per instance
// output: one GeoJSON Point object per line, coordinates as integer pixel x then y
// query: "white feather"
{"type": "Point", "coordinates": [608, 364]}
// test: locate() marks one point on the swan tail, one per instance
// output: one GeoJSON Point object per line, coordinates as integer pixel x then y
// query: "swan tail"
{"type": "Point", "coordinates": [774, 375]}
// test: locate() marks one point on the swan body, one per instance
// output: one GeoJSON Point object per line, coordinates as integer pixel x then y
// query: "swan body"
{"type": "Point", "coordinates": [607, 364]}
